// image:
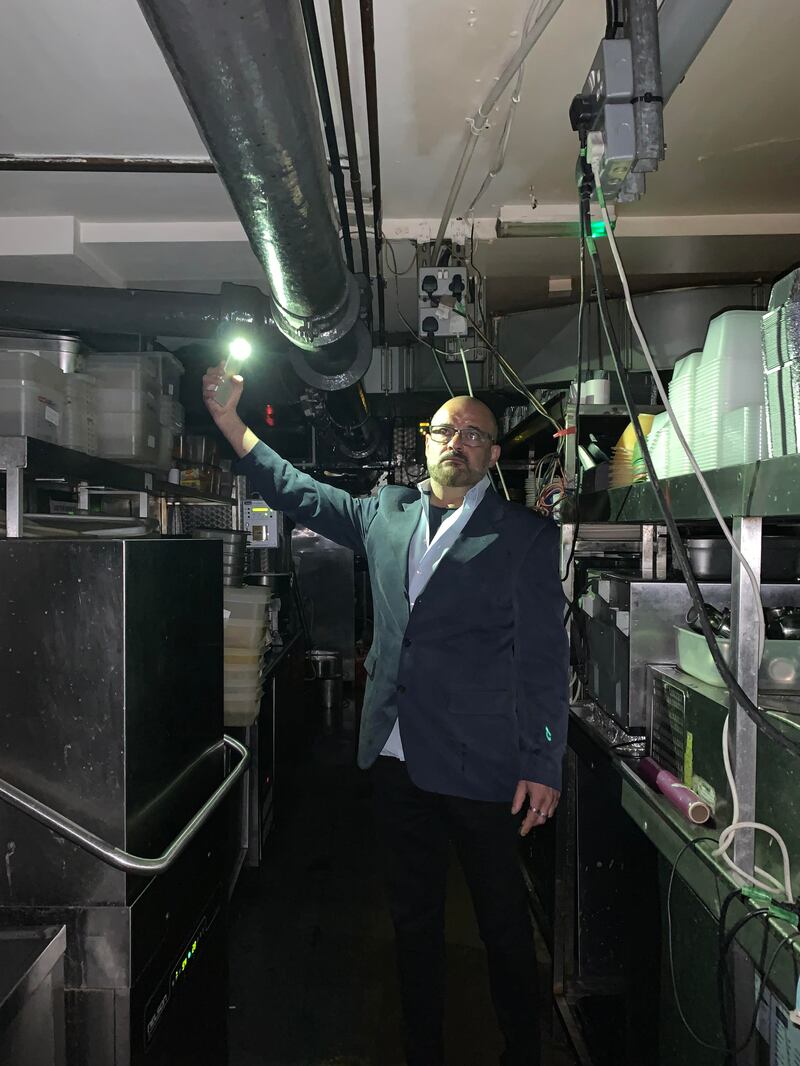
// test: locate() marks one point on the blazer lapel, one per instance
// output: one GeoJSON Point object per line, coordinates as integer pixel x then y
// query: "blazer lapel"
{"type": "Point", "coordinates": [481, 531]}
{"type": "Point", "coordinates": [402, 526]}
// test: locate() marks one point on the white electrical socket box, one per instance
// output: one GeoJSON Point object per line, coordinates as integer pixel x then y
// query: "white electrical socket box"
{"type": "Point", "coordinates": [438, 288]}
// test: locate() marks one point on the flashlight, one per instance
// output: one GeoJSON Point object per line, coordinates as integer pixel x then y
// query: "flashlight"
{"type": "Point", "coordinates": [239, 349]}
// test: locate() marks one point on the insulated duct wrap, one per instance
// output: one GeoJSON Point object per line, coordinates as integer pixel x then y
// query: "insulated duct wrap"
{"type": "Point", "coordinates": [243, 68]}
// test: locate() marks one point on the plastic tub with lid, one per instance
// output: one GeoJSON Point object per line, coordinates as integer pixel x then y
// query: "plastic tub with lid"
{"type": "Point", "coordinates": [240, 710]}
{"type": "Point", "coordinates": [779, 670]}
{"type": "Point", "coordinates": [246, 604]}
{"type": "Point", "coordinates": [244, 634]}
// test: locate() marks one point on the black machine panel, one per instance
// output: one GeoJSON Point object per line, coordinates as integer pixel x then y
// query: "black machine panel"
{"type": "Point", "coordinates": [111, 713]}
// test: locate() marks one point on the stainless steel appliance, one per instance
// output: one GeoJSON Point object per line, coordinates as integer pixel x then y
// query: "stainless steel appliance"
{"type": "Point", "coordinates": [111, 717]}
{"type": "Point", "coordinates": [32, 997]}
{"type": "Point", "coordinates": [326, 580]}
{"type": "Point", "coordinates": [630, 624]}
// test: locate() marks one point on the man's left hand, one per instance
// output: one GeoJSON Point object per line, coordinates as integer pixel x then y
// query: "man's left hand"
{"type": "Point", "coordinates": [542, 802]}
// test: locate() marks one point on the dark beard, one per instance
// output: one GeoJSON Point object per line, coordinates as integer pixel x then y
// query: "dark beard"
{"type": "Point", "coordinates": [453, 475]}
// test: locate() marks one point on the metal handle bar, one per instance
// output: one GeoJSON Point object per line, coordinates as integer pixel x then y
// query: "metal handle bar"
{"type": "Point", "coordinates": [114, 856]}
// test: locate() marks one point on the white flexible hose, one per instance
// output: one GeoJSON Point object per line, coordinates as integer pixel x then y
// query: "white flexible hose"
{"type": "Point", "coordinates": [727, 835]}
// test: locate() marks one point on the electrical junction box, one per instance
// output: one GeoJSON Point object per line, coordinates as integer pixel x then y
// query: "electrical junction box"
{"type": "Point", "coordinates": [609, 84]}
{"type": "Point", "coordinates": [260, 524]}
{"type": "Point", "coordinates": [439, 289]}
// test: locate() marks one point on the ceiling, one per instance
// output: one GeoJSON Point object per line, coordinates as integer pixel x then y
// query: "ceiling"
{"type": "Point", "coordinates": [88, 78]}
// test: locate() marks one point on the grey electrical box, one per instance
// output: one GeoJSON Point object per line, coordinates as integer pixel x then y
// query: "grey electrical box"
{"type": "Point", "coordinates": [610, 85]}
{"type": "Point", "coordinates": [440, 290]}
{"type": "Point", "coordinates": [260, 523]}
{"type": "Point", "coordinates": [390, 371]}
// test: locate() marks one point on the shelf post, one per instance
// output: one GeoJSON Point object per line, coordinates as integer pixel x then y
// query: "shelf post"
{"type": "Point", "coordinates": [745, 664]}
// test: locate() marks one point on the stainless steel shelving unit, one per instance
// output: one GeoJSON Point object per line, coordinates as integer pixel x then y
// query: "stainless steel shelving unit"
{"type": "Point", "coordinates": [747, 496]}
{"type": "Point", "coordinates": [27, 457]}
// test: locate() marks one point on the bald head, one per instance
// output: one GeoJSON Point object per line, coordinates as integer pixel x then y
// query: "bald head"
{"type": "Point", "coordinates": [466, 410]}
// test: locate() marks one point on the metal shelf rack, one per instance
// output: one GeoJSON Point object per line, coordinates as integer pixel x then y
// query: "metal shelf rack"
{"type": "Point", "coordinates": [22, 457]}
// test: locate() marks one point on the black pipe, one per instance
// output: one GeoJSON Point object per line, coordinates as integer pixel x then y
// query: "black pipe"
{"type": "Point", "coordinates": [371, 85]}
{"type": "Point", "coordinates": [328, 123]}
{"type": "Point", "coordinates": [82, 308]}
{"type": "Point", "coordinates": [110, 164]}
{"type": "Point", "coordinates": [244, 70]}
{"type": "Point", "coordinates": [348, 121]}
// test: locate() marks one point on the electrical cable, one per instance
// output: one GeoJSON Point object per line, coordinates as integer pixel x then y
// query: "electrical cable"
{"type": "Point", "coordinates": [581, 308]}
{"type": "Point", "coordinates": [478, 122]}
{"type": "Point", "coordinates": [534, 11]}
{"type": "Point", "coordinates": [670, 950]}
{"type": "Point", "coordinates": [678, 548]}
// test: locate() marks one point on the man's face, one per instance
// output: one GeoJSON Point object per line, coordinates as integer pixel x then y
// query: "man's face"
{"type": "Point", "coordinates": [459, 462]}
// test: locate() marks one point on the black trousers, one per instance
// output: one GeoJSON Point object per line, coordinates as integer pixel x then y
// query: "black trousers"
{"type": "Point", "coordinates": [416, 828]}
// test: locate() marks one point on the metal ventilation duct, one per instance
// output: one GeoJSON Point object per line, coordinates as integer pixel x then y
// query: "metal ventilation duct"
{"type": "Point", "coordinates": [243, 68]}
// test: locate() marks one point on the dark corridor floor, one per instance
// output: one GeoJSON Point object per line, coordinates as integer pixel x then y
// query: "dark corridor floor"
{"type": "Point", "coordinates": [312, 968]}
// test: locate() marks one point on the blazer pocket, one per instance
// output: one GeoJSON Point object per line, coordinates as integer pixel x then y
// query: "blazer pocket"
{"type": "Point", "coordinates": [495, 701]}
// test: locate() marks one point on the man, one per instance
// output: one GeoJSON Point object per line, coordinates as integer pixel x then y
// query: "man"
{"type": "Point", "coordinates": [465, 712]}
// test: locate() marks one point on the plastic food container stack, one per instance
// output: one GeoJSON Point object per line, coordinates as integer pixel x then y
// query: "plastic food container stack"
{"type": "Point", "coordinates": [79, 425]}
{"type": "Point", "coordinates": [780, 341]}
{"type": "Point", "coordinates": [172, 419]}
{"type": "Point", "coordinates": [170, 372]}
{"type": "Point", "coordinates": [31, 396]}
{"type": "Point", "coordinates": [246, 638]}
{"type": "Point", "coordinates": [128, 416]}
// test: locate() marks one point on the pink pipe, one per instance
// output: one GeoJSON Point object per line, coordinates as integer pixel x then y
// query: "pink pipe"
{"type": "Point", "coordinates": [680, 796]}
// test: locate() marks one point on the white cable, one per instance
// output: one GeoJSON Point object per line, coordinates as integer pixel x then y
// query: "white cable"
{"type": "Point", "coordinates": [534, 11]}
{"type": "Point", "coordinates": [466, 371]}
{"type": "Point", "coordinates": [502, 481]}
{"type": "Point", "coordinates": [678, 431]}
{"type": "Point", "coordinates": [727, 835]}
{"type": "Point", "coordinates": [479, 120]}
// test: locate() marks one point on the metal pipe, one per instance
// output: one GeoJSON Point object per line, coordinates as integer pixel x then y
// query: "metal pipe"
{"type": "Point", "coordinates": [80, 308]}
{"type": "Point", "coordinates": [641, 17]}
{"type": "Point", "coordinates": [244, 70]}
{"type": "Point", "coordinates": [348, 121]}
{"type": "Point", "coordinates": [109, 853]}
{"type": "Point", "coordinates": [106, 164]}
{"type": "Point", "coordinates": [684, 26]}
{"type": "Point", "coordinates": [479, 119]}
{"type": "Point", "coordinates": [371, 84]}
{"type": "Point", "coordinates": [328, 123]}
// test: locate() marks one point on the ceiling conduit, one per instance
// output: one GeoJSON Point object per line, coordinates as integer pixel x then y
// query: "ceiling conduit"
{"type": "Point", "coordinates": [243, 68]}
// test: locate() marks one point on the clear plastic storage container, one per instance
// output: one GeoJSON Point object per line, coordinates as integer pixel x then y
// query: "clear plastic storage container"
{"type": "Point", "coordinates": [247, 604]}
{"type": "Point", "coordinates": [240, 710]}
{"type": "Point", "coordinates": [170, 373]}
{"type": "Point", "coordinates": [132, 437]}
{"type": "Point", "coordinates": [29, 411]}
{"type": "Point", "coordinates": [780, 667]}
{"type": "Point", "coordinates": [124, 375]}
{"type": "Point", "coordinates": [243, 634]}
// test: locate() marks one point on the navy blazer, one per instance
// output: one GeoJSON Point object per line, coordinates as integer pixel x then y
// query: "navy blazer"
{"type": "Point", "coordinates": [478, 672]}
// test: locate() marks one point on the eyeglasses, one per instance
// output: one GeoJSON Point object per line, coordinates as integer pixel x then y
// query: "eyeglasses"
{"type": "Point", "coordinates": [469, 435]}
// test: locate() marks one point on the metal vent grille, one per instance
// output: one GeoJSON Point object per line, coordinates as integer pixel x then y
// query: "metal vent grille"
{"type": "Point", "coordinates": [668, 725]}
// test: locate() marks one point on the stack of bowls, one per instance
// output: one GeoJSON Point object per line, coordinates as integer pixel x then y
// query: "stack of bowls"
{"type": "Point", "coordinates": [234, 548]}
